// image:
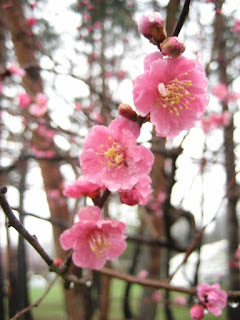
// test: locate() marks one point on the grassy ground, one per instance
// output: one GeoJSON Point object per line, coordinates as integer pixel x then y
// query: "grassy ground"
{"type": "Point", "coordinates": [52, 307]}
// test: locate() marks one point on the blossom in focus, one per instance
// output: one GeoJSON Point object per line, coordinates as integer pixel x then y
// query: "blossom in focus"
{"type": "Point", "coordinates": [212, 297]}
{"type": "Point", "coordinates": [24, 100]}
{"type": "Point", "coordinates": [82, 188]}
{"type": "Point", "coordinates": [14, 69]}
{"type": "Point", "coordinates": [111, 156]}
{"type": "Point", "coordinates": [93, 239]}
{"type": "Point", "coordinates": [197, 312]}
{"type": "Point", "coordinates": [139, 194]}
{"type": "Point", "coordinates": [220, 91]}
{"type": "Point", "coordinates": [173, 91]}
{"type": "Point", "coordinates": [152, 26]}
{"type": "Point", "coordinates": [236, 27]}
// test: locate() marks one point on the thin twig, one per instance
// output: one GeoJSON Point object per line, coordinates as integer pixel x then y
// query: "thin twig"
{"type": "Point", "coordinates": [36, 303]}
{"type": "Point", "coordinates": [182, 18]}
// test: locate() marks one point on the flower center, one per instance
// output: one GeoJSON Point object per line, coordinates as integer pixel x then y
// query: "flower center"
{"type": "Point", "coordinates": [98, 242]}
{"type": "Point", "coordinates": [174, 95]}
{"type": "Point", "coordinates": [114, 155]}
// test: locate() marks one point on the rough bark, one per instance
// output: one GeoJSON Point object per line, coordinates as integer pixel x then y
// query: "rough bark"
{"type": "Point", "coordinates": [232, 221]}
{"type": "Point", "coordinates": [25, 54]}
{"type": "Point", "coordinates": [2, 64]}
{"type": "Point", "coordinates": [156, 230]}
{"type": "Point", "coordinates": [22, 268]}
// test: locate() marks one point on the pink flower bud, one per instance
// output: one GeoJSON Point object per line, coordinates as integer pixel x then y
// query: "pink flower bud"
{"type": "Point", "coordinates": [31, 21]}
{"type": "Point", "coordinates": [57, 262]}
{"type": "Point", "coordinates": [197, 312]}
{"type": "Point", "coordinates": [152, 26]}
{"type": "Point", "coordinates": [126, 111]}
{"type": "Point", "coordinates": [172, 47]}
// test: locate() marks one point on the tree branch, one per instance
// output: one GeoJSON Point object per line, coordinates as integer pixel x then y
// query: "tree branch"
{"type": "Point", "coordinates": [182, 18]}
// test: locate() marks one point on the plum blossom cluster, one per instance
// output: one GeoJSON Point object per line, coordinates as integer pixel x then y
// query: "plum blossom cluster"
{"type": "Point", "coordinates": [172, 89]}
{"type": "Point", "coordinates": [111, 160]}
{"type": "Point", "coordinates": [37, 106]}
{"type": "Point", "coordinates": [222, 93]}
{"type": "Point", "coordinates": [215, 121]}
{"type": "Point", "coordinates": [172, 95]}
{"type": "Point", "coordinates": [211, 298]}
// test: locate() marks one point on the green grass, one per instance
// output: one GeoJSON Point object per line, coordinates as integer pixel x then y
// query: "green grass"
{"type": "Point", "coordinates": [52, 307]}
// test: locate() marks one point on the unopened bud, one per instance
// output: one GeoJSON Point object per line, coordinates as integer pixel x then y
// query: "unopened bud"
{"type": "Point", "coordinates": [172, 47]}
{"type": "Point", "coordinates": [57, 262]}
{"type": "Point", "coordinates": [126, 111]}
{"type": "Point", "coordinates": [152, 26]}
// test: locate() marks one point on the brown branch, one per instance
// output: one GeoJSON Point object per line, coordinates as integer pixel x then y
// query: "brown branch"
{"type": "Point", "coordinates": [17, 225]}
{"type": "Point", "coordinates": [182, 18]}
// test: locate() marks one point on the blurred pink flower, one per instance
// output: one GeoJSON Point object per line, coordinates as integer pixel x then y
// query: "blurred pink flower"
{"type": "Point", "coordinates": [24, 100]}
{"type": "Point", "coordinates": [215, 121]}
{"type": "Point", "coordinates": [212, 297]}
{"type": "Point", "coordinates": [157, 296]}
{"type": "Point", "coordinates": [233, 97]}
{"type": "Point", "coordinates": [220, 91]}
{"type": "Point", "coordinates": [237, 254]}
{"type": "Point", "coordinates": [31, 21]}
{"type": "Point", "coordinates": [111, 156]}
{"type": "Point", "coordinates": [78, 107]}
{"type": "Point", "coordinates": [37, 110]}
{"type": "Point", "coordinates": [53, 193]}
{"type": "Point", "coordinates": [197, 312]}
{"type": "Point", "coordinates": [173, 91]}
{"type": "Point", "coordinates": [181, 301]}
{"type": "Point", "coordinates": [93, 239]}
{"type": "Point", "coordinates": [14, 69]}
{"type": "Point", "coordinates": [236, 27]}
{"type": "Point", "coordinates": [97, 117]}
{"type": "Point", "coordinates": [121, 74]}
{"type": "Point", "coordinates": [87, 17]}
{"type": "Point", "coordinates": [97, 25]}
{"type": "Point", "coordinates": [41, 99]}
{"type": "Point", "coordinates": [82, 188]}
{"type": "Point", "coordinates": [139, 194]}
{"type": "Point", "coordinates": [142, 274]}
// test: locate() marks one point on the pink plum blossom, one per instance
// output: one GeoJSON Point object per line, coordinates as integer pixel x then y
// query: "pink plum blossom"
{"type": "Point", "coordinates": [87, 17]}
{"type": "Point", "coordinates": [236, 27]}
{"type": "Point", "coordinates": [97, 25]}
{"type": "Point", "coordinates": [220, 91]}
{"type": "Point", "coordinates": [121, 74]}
{"type": "Point", "coordinates": [82, 188]}
{"type": "Point", "coordinates": [24, 100]}
{"type": "Point", "coordinates": [96, 116]}
{"type": "Point", "coordinates": [173, 91]}
{"type": "Point", "coordinates": [139, 194]}
{"type": "Point", "coordinates": [197, 312]}
{"type": "Point", "coordinates": [233, 97]}
{"type": "Point", "coordinates": [14, 69]}
{"type": "Point", "coordinates": [93, 239]}
{"type": "Point", "coordinates": [212, 297]}
{"type": "Point", "coordinates": [111, 156]}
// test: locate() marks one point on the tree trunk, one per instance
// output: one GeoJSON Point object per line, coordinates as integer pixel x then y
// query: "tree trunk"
{"type": "Point", "coordinates": [24, 50]}
{"type": "Point", "coordinates": [232, 221]}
